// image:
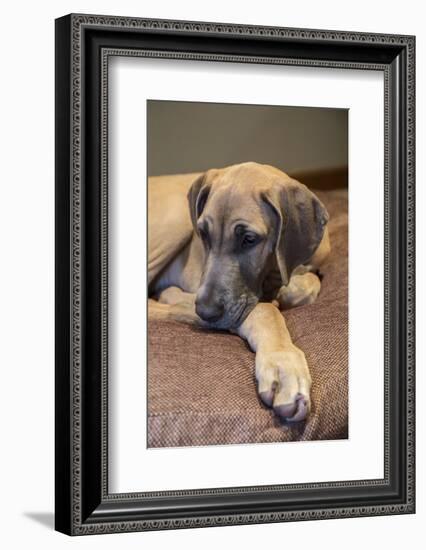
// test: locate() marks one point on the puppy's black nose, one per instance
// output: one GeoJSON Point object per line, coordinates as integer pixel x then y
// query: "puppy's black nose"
{"type": "Point", "coordinates": [209, 312]}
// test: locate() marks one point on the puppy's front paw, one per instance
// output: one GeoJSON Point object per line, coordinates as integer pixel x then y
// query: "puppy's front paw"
{"type": "Point", "coordinates": [284, 382]}
{"type": "Point", "coordinates": [302, 290]}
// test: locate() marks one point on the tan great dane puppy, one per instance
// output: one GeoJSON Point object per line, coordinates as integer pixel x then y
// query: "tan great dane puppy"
{"type": "Point", "coordinates": [228, 246]}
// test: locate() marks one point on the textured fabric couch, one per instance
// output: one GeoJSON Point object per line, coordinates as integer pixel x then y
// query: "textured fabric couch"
{"type": "Point", "coordinates": [201, 384]}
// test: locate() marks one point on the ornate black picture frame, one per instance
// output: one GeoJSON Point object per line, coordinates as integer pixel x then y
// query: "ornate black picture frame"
{"type": "Point", "coordinates": [83, 45]}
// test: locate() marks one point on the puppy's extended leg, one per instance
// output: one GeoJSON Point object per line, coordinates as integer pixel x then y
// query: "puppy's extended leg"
{"type": "Point", "coordinates": [282, 372]}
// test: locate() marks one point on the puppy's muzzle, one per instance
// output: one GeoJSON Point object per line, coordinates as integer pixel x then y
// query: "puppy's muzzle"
{"type": "Point", "coordinates": [209, 312]}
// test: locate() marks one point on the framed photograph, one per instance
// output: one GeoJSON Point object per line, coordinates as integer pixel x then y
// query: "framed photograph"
{"type": "Point", "coordinates": [234, 274]}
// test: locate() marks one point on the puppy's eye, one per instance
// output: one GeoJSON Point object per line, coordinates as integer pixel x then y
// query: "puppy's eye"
{"type": "Point", "coordinates": [248, 240]}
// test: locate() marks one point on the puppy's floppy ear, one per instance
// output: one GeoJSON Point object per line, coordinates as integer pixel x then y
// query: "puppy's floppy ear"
{"type": "Point", "coordinates": [198, 195]}
{"type": "Point", "coordinates": [300, 222]}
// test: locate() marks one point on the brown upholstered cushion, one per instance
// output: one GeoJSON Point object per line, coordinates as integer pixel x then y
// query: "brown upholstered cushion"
{"type": "Point", "coordinates": [201, 385]}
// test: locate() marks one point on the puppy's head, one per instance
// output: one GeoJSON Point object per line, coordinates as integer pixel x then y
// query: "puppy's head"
{"type": "Point", "coordinates": [250, 217]}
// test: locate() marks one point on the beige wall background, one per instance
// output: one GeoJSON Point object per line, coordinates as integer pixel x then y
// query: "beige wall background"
{"type": "Point", "coordinates": [189, 137]}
